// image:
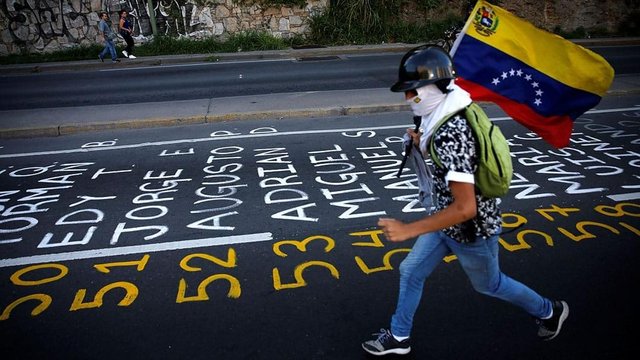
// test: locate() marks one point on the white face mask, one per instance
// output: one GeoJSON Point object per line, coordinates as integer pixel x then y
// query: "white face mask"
{"type": "Point", "coordinates": [428, 98]}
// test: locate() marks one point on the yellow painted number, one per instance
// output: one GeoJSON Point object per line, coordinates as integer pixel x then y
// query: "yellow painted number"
{"type": "Point", "coordinates": [546, 213]}
{"type": "Point", "coordinates": [297, 273]}
{"type": "Point", "coordinates": [373, 234]}
{"type": "Point", "coordinates": [584, 234]}
{"type": "Point", "coordinates": [131, 293]}
{"type": "Point", "coordinates": [18, 278]}
{"type": "Point", "coordinates": [522, 244]}
{"type": "Point", "coordinates": [633, 229]}
{"type": "Point", "coordinates": [202, 295]}
{"type": "Point", "coordinates": [45, 301]}
{"type": "Point", "coordinates": [139, 264]}
{"type": "Point", "coordinates": [386, 262]}
{"type": "Point", "coordinates": [302, 245]}
{"type": "Point", "coordinates": [518, 220]}
{"type": "Point", "coordinates": [617, 210]}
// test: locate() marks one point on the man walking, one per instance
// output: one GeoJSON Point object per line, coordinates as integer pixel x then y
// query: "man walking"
{"type": "Point", "coordinates": [104, 29]}
{"type": "Point", "coordinates": [464, 222]}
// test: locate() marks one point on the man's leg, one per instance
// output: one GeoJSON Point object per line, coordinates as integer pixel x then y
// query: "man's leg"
{"type": "Point", "coordinates": [425, 255]}
{"type": "Point", "coordinates": [112, 50]}
{"type": "Point", "coordinates": [104, 51]}
{"type": "Point", "coordinates": [480, 262]}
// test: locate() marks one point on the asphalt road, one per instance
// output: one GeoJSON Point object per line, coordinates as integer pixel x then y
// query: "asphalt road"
{"type": "Point", "coordinates": [128, 84]}
{"type": "Point", "coordinates": [196, 81]}
{"type": "Point", "coordinates": [257, 240]}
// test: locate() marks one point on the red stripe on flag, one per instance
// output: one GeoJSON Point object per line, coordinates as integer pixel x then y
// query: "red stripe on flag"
{"type": "Point", "coordinates": [556, 130]}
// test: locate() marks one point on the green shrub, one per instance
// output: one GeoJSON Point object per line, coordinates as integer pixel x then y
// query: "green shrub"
{"type": "Point", "coordinates": [253, 40]}
{"type": "Point", "coordinates": [372, 22]}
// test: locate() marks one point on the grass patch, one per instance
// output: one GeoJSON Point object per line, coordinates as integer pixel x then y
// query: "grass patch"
{"type": "Point", "coordinates": [75, 53]}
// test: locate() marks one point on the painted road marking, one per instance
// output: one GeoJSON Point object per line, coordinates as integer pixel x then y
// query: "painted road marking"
{"type": "Point", "coordinates": [247, 136]}
{"type": "Point", "coordinates": [137, 249]}
{"type": "Point", "coordinates": [213, 61]}
{"type": "Point", "coordinates": [625, 197]}
{"type": "Point", "coordinates": [202, 63]}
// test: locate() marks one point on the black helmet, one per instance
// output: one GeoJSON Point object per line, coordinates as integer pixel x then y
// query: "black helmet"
{"type": "Point", "coordinates": [422, 66]}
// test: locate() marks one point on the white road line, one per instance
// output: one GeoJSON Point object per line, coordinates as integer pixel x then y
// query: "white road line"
{"type": "Point", "coordinates": [247, 136]}
{"type": "Point", "coordinates": [202, 63]}
{"type": "Point", "coordinates": [625, 197]}
{"type": "Point", "coordinates": [137, 249]}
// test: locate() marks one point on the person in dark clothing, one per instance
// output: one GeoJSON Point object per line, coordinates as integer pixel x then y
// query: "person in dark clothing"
{"type": "Point", "coordinates": [125, 28]}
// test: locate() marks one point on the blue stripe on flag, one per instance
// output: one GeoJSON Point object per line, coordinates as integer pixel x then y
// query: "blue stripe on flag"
{"type": "Point", "coordinates": [507, 76]}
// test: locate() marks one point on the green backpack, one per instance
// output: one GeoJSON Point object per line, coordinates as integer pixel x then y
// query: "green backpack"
{"type": "Point", "coordinates": [494, 172]}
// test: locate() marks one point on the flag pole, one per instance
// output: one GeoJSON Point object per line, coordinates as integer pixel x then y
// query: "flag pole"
{"type": "Point", "coordinates": [464, 29]}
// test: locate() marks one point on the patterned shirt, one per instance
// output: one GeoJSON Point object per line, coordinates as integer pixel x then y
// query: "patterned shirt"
{"type": "Point", "coordinates": [455, 147]}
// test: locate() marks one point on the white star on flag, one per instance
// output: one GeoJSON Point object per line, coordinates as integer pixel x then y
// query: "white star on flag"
{"type": "Point", "coordinates": [527, 77]}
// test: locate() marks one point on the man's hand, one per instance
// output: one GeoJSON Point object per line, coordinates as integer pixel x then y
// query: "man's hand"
{"type": "Point", "coordinates": [394, 230]}
{"type": "Point", "coordinates": [415, 136]}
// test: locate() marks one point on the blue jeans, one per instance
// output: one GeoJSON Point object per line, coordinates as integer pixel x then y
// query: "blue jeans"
{"type": "Point", "coordinates": [109, 47]}
{"type": "Point", "coordinates": [479, 260]}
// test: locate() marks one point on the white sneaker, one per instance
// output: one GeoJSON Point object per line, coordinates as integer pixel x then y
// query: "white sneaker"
{"type": "Point", "coordinates": [125, 53]}
{"type": "Point", "coordinates": [131, 57]}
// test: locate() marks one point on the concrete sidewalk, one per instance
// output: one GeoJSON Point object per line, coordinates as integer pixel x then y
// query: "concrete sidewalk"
{"type": "Point", "coordinates": [70, 120]}
{"type": "Point", "coordinates": [298, 53]}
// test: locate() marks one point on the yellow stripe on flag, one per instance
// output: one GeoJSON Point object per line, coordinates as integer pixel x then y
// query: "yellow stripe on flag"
{"type": "Point", "coordinates": [548, 53]}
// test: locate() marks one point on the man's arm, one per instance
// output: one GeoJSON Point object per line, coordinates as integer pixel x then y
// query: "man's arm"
{"type": "Point", "coordinates": [462, 208]}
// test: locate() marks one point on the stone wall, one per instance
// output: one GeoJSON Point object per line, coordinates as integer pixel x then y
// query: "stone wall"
{"type": "Point", "coordinates": [573, 14]}
{"type": "Point", "coordinates": [35, 26]}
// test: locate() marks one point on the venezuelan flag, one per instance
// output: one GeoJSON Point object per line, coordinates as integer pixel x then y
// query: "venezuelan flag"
{"type": "Point", "coordinates": [539, 79]}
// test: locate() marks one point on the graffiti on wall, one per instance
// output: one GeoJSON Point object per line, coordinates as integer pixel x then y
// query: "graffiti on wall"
{"type": "Point", "coordinates": [39, 21]}
{"type": "Point", "coordinates": [34, 26]}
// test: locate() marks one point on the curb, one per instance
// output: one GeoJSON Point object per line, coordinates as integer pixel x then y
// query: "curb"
{"type": "Point", "coordinates": [130, 124]}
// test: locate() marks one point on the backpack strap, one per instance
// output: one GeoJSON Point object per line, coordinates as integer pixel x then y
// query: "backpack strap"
{"type": "Point", "coordinates": [431, 147]}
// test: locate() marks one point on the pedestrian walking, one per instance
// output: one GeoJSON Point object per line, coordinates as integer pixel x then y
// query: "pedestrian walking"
{"type": "Point", "coordinates": [126, 29]}
{"type": "Point", "coordinates": [104, 29]}
{"type": "Point", "coordinates": [463, 222]}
